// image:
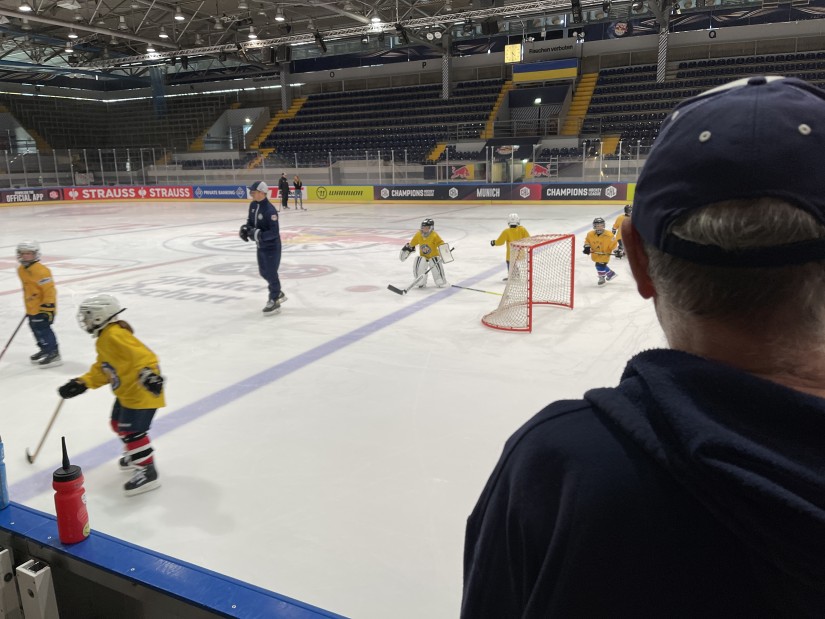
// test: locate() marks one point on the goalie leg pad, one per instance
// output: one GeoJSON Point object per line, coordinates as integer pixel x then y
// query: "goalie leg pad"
{"type": "Point", "coordinates": [438, 272]}
{"type": "Point", "coordinates": [420, 267]}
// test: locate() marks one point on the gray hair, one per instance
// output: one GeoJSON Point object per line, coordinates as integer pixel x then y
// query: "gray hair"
{"type": "Point", "coordinates": [786, 299]}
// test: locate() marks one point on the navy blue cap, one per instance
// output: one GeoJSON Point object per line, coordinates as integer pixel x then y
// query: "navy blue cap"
{"type": "Point", "coordinates": [755, 137]}
{"type": "Point", "coordinates": [259, 186]}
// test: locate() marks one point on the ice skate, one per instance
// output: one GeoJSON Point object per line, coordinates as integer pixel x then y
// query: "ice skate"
{"type": "Point", "coordinates": [601, 281]}
{"type": "Point", "coordinates": [50, 360]}
{"type": "Point", "coordinates": [144, 480]}
{"type": "Point", "coordinates": [272, 307]}
{"type": "Point", "coordinates": [612, 275]}
{"type": "Point", "coordinates": [37, 357]}
{"type": "Point", "coordinates": [281, 297]}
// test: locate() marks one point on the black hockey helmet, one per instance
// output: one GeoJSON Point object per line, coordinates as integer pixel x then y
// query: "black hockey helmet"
{"type": "Point", "coordinates": [597, 223]}
{"type": "Point", "coordinates": [428, 223]}
{"type": "Point", "coordinates": [628, 209]}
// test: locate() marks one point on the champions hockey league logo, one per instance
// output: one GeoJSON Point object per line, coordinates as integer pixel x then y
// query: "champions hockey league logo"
{"type": "Point", "coordinates": [611, 191]}
{"type": "Point", "coordinates": [385, 193]}
{"type": "Point", "coordinates": [524, 192]}
{"type": "Point", "coordinates": [453, 193]}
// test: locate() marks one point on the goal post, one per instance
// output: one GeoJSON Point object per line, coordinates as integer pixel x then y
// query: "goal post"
{"type": "Point", "coordinates": [541, 273]}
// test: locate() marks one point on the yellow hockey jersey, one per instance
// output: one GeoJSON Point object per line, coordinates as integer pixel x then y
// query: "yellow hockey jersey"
{"type": "Point", "coordinates": [601, 245]}
{"type": "Point", "coordinates": [509, 235]}
{"type": "Point", "coordinates": [427, 247]}
{"type": "Point", "coordinates": [617, 226]}
{"type": "Point", "coordinates": [120, 358]}
{"type": "Point", "coordinates": [38, 287]}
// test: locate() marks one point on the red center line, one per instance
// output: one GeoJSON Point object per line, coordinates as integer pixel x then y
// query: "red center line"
{"type": "Point", "coordinates": [112, 273]}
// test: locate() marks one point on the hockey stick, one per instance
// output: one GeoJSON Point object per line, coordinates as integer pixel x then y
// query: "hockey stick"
{"type": "Point", "coordinates": [403, 291]}
{"type": "Point", "coordinates": [22, 320]}
{"type": "Point", "coordinates": [31, 457]}
{"type": "Point", "coordinates": [477, 290]}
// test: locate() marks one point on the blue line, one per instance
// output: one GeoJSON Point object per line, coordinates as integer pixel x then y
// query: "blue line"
{"type": "Point", "coordinates": [39, 483]}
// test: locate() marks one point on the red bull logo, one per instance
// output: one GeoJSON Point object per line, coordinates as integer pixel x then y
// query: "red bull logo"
{"type": "Point", "coordinates": [540, 171]}
{"type": "Point", "coordinates": [462, 172]}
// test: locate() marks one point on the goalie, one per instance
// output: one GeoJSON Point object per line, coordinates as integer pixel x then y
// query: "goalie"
{"type": "Point", "coordinates": [432, 254]}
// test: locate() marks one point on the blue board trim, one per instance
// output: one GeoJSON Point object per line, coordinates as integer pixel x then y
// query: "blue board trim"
{"type": "Point", "coordinates": [179, 579]}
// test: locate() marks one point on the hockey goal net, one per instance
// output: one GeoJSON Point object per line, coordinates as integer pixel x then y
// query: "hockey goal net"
{"type": "Point", "coordinates": [541, 273]}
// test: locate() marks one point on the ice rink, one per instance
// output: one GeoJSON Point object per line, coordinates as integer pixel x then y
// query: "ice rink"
{"type": "Point", "coordinates": [333, 452]}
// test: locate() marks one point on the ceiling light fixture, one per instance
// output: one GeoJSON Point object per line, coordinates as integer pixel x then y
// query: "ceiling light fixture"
{"type": "Point", "coordinates": [121, 24]}
{"type": "Point", "coordinates": [242, 5]}
{"type": "Point", "coordinates": [252, 34]}
{"type": "Point", "coordinates": [162, 34]}
{"type": "Point", "coordinates": [279, 14]}
{"type": "Point", "coordinates": [178, 15]}
{"type": "Point", "coordinates": [25, 25]}
{"type": "Point", "coordinates": [375, 19]}
{"type": "Point", "coordinates": [72, 34]}
{"type": "Point", "coordinates": [198, 39]}
{"type": "Point", "coordinates": [24, 7]}
{"type": "Point", "coordinates": [150, 49]}
{"type": "Point", "coordinates": [69, 48]}
{"type": "Point", "coordinates": [218, 24]}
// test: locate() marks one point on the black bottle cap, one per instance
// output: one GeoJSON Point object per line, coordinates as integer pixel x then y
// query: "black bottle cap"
{"type": "Point", "coordinates": [68, 472]}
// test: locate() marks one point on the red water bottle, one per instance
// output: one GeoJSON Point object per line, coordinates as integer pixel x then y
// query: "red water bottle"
{"type": "Point", "coordinates": [70, 501]}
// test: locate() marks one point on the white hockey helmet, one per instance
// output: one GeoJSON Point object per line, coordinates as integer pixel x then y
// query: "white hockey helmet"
{"type": "Point", "coordinates": [96, 312]}
{"type": "Point", "coordinates": [26, 247]}
{"type": "Point", "coordinates": [513, 220]}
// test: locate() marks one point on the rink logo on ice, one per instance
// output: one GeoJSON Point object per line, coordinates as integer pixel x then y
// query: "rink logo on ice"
{"type": "Point", "coordinates": [285, 271]}
{"type": "Point", "coordinates": [187, 288]}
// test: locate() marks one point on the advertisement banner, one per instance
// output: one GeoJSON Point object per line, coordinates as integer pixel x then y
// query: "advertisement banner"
{"type": "Point", "coordinates": [341, 193]}
{"type": "Point", "coordinates": [136, 192]}
{"type": "Point", "coordinates": [507, 192]}
{"type": "Point", "coordinates": [220, 192]}
{"type": "Point", "coordinates": [463, 172]}
{"type": "Point", "coordinates": [537, 170]}
{"type": "Point", "coordinates": [27, 196]}
{"type": "Point", "coordinates": [565, 192]}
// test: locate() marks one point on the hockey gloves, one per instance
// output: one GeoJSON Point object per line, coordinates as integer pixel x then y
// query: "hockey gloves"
{"type": "Point", "coordinates": [406, 251]}
{"type": "Point", "coordinates": [48, 310]}
{"type": "Point", "coordinates": [586, 250]}
{"type": "Point", "coordinates": [71, 389]}
{"type": "Point", "coordinates": [244, 233]}
{"type": "Point", "coordinates": [153, 383]}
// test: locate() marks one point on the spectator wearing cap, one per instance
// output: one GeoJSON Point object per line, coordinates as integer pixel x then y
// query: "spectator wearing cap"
{"type": "Point", "coordinates": [696, 487]}
{"type": "Point", "coordinates": [262, 227]}
{"type": "Point", "coordinates": [283, 189]}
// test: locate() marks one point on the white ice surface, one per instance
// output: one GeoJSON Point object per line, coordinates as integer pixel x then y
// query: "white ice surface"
{"type": "Point", "coordinates": [331, 453]}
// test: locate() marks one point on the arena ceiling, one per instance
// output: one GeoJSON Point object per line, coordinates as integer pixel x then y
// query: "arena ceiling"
{"type": "Point", "coordinates": [116, 39]}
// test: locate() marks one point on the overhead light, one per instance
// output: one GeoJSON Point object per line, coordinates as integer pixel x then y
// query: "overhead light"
{"type": "Point", "coordinates": [198, 39]}
{"type": "Point", "coordinates": [438, 34]}
{"type": "Point", "coordinates": [310, 24]}
{"type": "Point", "coordinates": [365, 39]}
{"type": "Point", "coordinates": [25, 25]}
{"type": "Point", "coordinates": [218, 24]}
{"type": "Point", "coordinates": [279, 14]}
{"type": "Point", "coordinates": [242, 5]}
{"type": "Point", "coordinates": [121, 23]}
{"type": "Point", "coordinates": [150, 49]}
{"type": "Point", "coordinates": [113, 40]}
{"type": "Point", "coordinates": [69, 48]}
{"type": "Point", "coordinates": [537, 101]}
{"type": "Point", "coordinates": [69, 5]}
{"type": "Point", "coordinates": [375, 19]}
{"type": "Point", "coordinates": [24, 7]}
{"type": "Point", "coordinates": [430, 36]}
{"type": "Point", "coordinates": [72, 34]}
{"type": "Point", "coordinates": [178, 15]}
{"type": "Point", "coordinates": [247, 120]}
{"type": "Point", "coordinates": [252, 34]}
{"type": "Point", "coordinates": [162, 34]}
{"type": "Point", "coordinates": [448, 6]}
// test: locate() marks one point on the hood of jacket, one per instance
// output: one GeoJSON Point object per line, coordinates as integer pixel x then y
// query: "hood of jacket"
{"type": "Point", "coordinates": [751, 451]}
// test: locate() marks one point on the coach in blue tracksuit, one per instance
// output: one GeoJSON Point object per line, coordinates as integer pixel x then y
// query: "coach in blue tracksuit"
{"type": "Point", "coordinates": [262, 227]}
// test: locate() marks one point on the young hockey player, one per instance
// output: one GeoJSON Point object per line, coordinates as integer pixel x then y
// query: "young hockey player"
{"type": "Point", "coordinates": [299, 196]}
{"type": "Point", "coordinates": [134, 374]}
{"type": "Point", "coordinates": [617, 230]}
{"type": "Point", "coordinates": [513, 232]}
{"type": "Point", "coordinates": [262, 227]}
{"type": "Point", "coordinates": [40, 298]}
{"type": "Point", "coordinates": [599, 245]}
{"type": "Point", "coordinates": [429, 257]}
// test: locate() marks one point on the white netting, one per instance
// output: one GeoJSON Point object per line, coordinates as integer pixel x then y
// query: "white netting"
{"type": "Point", "coordinates": [541, 272]}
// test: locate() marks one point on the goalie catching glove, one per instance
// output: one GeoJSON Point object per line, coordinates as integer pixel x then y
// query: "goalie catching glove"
{"type": "Point", "coordinates": [586, 249]}
{"type": "Point", "coordinates": [153, 383]}
{"type": "Point", "coordinates": [71, 389]}
{"type": "Point", "coordinates": [244, 233]}
{"type": "Point", "coordinates": [406, 251]}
